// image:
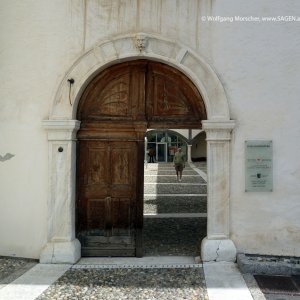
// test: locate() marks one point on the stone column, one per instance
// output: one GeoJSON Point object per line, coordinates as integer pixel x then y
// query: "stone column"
{"type": "Point", "coordinates": [62, 246]}
{"type": "Point", "coordinates": [189, 154]}
{"type": "Point", "coordinates": [217, 246]}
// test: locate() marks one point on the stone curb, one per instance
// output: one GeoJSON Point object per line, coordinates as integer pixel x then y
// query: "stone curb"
{"type": "Point", "coordinates": [269, 266]}
{"type": "Point", "coordinates": [137, 266]}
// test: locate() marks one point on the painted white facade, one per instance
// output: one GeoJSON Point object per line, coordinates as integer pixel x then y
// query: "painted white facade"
{"type": "Point", "coordinates": [255, 64]}
{"type": "Point", "coordinates": [198, 150]}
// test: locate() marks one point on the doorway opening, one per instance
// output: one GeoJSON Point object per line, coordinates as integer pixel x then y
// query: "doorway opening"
{"type": "Point", "coordinates": [175, 213]}
{"type": "Point", "coordinates": [115, 110]}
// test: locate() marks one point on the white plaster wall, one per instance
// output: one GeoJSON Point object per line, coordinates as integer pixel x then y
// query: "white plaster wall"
{"type": "Point", "coordinates": [199, 146]}
{"type": "Point", "coordinates": [178, 20]}
{"type": "Point", "coordinates": [183, 132]}
{"type": "Point", "coordinates": [38, 42]}
{"type": "Point", "coordinates": [258, 64]}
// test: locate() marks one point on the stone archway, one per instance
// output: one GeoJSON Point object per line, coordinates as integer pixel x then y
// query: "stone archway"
{"type": "Point", "coordinates": [62, 246]}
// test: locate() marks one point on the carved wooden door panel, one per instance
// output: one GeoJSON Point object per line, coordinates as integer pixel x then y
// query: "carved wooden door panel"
{"type": "Point", "coordinates": [107, 198]}
{"type": "Point", "coordinates": [172, 100]}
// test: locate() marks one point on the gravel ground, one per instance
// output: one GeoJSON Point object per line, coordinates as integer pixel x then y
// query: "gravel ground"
{"type": "Point", "coordinates": [173, 236]}
{"type": "Point", "coordinates": [184, 204]}
{"type": "Point", "coordinates": [10, 265]}
{"type": "Point", "coordinates": [173, 178]}
{"type": "Point", "coordinates": [128, 284]}
{"type": "Point", "coordinates": [12, 268]}
{"type": "Point", "coordinates": [178, 188]}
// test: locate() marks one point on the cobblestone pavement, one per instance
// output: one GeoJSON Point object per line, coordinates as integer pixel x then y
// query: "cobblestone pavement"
{"type": "Point", "coordinates": [186, 204]}
{"type": "Point", "coordinates": [128, 284]}
{"type": "Point", "coordinates": [9, 266]}
{"type": "Point", "coordinates": [173, 236]}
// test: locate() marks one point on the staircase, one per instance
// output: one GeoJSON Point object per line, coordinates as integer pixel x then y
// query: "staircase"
{"type": "Point", "coordinates": [174, 212]}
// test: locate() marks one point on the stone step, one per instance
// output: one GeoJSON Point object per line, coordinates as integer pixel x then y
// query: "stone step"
{"type": "Point", "coordinates": [161, 165]}
{"type": "Point", "coordinates": [162, 205]}
{"type": "Point", "coordinates": [177, 197]}
{"type": "Point", "coordinates": [173, 178]}
{"type": "Point", "coordinates": [170, 172]}
{"type": "Point", "coordinates": [175, 188]}
{"type": "Point", "coordinates": [169, 167]}
{"type": "Point", "coordinates": [176, 215]}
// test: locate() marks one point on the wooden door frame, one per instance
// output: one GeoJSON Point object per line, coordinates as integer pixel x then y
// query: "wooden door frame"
{"type": "Point", "coordinates": [61, 245]}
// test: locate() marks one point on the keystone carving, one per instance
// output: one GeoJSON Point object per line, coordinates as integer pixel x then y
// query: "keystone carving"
{"type": "Point", "coordinates": [140, 42]}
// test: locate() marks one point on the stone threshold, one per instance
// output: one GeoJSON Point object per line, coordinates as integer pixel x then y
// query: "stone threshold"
{"type": "Point", "coordinates": [147, 262]}
{"type": "Point", "coordinates": [225, 282]}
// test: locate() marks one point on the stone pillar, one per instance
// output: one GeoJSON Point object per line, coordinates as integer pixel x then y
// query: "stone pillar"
{"type": "Point", "coordinates": [62, 246]}
{"type": "Point", "coordinates": [217, 246]}
{"type": "Point", "coordinates": [189, 154]}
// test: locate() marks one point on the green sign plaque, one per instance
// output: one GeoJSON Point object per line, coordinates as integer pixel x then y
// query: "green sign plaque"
{"type": "Point", "coordinates": [259, 166]}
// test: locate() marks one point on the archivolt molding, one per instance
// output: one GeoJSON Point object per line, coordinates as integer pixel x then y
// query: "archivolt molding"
{"type": "Point", "coordinates": [152, 47]}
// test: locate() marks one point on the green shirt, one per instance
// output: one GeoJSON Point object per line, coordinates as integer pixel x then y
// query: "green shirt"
{"type": "Point", "coordinates": [179, 158]}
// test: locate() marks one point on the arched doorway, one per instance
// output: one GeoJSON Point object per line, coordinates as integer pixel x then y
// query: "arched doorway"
{"type": "Point", "coordinates": [61, 244]}
{"type": "Point", "coordinates": [115, 110]}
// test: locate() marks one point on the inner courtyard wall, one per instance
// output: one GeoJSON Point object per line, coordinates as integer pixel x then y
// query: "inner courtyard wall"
{"type": "Point", "coordinates": [199, 152]}
{"type": "Point", "coordinates": [257, 62]}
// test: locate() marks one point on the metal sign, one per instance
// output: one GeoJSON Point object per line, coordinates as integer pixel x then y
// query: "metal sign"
{"type": "Point", "coordinates": [258, 166]}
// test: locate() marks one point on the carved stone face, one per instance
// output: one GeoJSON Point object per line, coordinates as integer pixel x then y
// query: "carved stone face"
{"type": "Point", "coordinates": [140, 42]}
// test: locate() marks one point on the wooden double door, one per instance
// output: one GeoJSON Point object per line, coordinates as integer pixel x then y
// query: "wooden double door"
{"type": "Point", "coordinates": [115, 110]}
{"type": "Point", "coordinates": [108, 198]}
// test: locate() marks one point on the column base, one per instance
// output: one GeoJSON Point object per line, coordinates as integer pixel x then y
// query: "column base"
{"type": "Point", "coordinates": [218, 250]}
{"type": "Point", "coordinates": [61, 252]}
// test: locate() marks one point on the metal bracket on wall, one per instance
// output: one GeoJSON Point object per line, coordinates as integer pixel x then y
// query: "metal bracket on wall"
{"type": "Point", "coordinates": [71, 81]}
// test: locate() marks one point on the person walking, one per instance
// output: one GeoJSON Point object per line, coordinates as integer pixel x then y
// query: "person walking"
{"type": "Point", "coordinates": [179, 163]}
{"type": "Point", "coordinates": [151, 154]}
